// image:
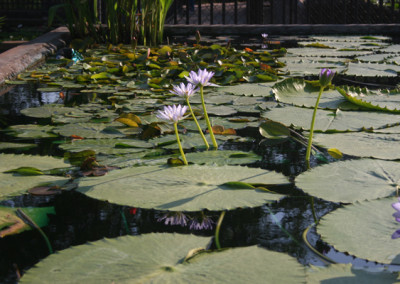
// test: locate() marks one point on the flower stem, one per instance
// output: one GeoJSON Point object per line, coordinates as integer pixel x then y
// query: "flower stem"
{"type": "Point", "coordinates": [221, 217]}
{"type": "Point", "coordinates": [312, 128]}
{"type": "Point", "coordinates": [179, 143]}
{"type": "Point", "coordinates": [198, 125]}
{"type": "Point", "coordinates": [207, 120]}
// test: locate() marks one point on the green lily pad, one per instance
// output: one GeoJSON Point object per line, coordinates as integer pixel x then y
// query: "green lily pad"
{"type": "Point", "coordinates": [251, 89]}
{"type": "Point", "coordinates": [220, 158]}
{"type": "Point", "coordinates": [321, 52]}
{"type": "Point", "coordinates": [362, 144]}
{"type": "Point", "coordinates": [11, 145]}
{"type": "Point", "coordinates": [301, 66]}
{"type": "Point", "coordinates": [46, 111]}
{"type": "Point", "coordinates": [372, 69]}
{"type": "Point", "coordinates": [351, 181]}
{"type": "Point", "coordinates": [331, 121]}
{"type": "Point", "coordinates": [107, 146]}
{"type": "Point", "coordinates": [32, 131]}
{"type": "Point", "coordinates": [185, 188]}
{"type": "Point", "coordinates": [11, 185]}
{"type": "Point", "coordinates": [302, 93]}
{"type": "Point", "coordinates": [164, 258]}
{"type": "Point", "coordinates": [11, 223]}
{"type": "Point", "coordinates": [90, 130]}
{"type": "Point", "coordinates": [378, 100]}
{"type": "Point", "coordinates": [364, 230]}
{"type": "Point", "coordinates": [348, 274]}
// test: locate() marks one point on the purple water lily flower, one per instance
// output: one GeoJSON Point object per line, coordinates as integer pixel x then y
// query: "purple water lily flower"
{"type": "Point", "coordinates": [185, 91]}
{"type": "Point", "coordinates": [326, 76]}
{"type": "Point", "coordinates": [201, 78]}
{"type": "Point", "coordinates": [172, 113]}
{"type": "Point", "coordinates": [396, 215]}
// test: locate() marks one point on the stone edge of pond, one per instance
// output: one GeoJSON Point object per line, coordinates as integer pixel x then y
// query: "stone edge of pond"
{"type": "Point", "coordinates": [24, 56]}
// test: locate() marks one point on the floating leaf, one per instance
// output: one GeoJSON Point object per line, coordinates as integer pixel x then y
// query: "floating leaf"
{"type": "Point", "coordinates": [189, 188]}
{"type": "Point", "coordinates": [225, 157]}
{"type": "Point", "coordinates": [351, 181]}
{"type": "Point", "coordinates": [335, 153]}
{"type": "Point", "coordinates": [364, 230]}
{"type": "Point", "coordinates": [46, 111]}
{"type": "Point", "coordinates": [161, 258]}
{"type": "Point", "coordinates": [274, 130]}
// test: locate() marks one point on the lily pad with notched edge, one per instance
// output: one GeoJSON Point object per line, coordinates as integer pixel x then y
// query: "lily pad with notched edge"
{"type": "Point", "coordinates": [90, 130]}
{"type": "Point", "coordinates": [186, 188]}
{"type": "Point", "coordinates": [164, 258]}
{"type": "Point", "coordinates": [364, 230]}
{"type": "Point", "coordinates": [351, 181]}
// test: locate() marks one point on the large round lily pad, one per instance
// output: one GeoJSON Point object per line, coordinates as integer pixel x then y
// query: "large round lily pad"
{"type": "Point", "coordinates": [362, 144]}
{"type": "Point", "coordinates": [90, 130]}
{"type": "Point", "coordinates": [46, 111]}
{"type": "Point", "coordinates": [364, 230]}
{"type": "Point", "coordinates": [350, 181]}
{"type": "Point", "coordinates": [11, 185]}
{"type": "Point", "coordinates": [185, 188]}
{"type": "Point", "coordinates": [347, 274]}
{"type": "Point", "coordinates": [331, 121]}
{"type": "Point", "coordinates": [162, 258]}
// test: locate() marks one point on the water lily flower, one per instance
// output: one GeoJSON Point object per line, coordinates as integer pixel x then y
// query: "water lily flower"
{"type": "Point", "coordinates": [264, 36]}
{"type": "Point", "coordinates": [202, 79]}
{"type": "Point", "coordinates": [203, 223]}
{"type": "Point", "coordinates": [174, 114]}
{"type": "Point", "coordinates": [325, 77]}
{"type": "Point", "coordinates": [187, 91]}
{"type": "Point", "coordinates": [396, 215]}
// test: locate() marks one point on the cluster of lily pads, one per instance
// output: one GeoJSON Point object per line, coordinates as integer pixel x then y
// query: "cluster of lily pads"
{"type": "Point", "coordinates": [120, 127]}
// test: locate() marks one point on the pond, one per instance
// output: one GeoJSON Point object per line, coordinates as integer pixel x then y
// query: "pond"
{"type": "Point", "coordinates": [88, 129]}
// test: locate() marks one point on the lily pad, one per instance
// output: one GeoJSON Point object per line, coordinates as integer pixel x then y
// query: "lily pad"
{"type": "Point", "coordinates": [332, 121]}
{"type": "Point", "coordinates": [372, 69]}
{"type": "Point", "coordinates": [362, 144]}
{"type": "Point", "coordinates": [11, 223]}
{"type": "Point", "coordinates": [11, 145]}
{"type": "Point", "coordinates": [186, 188]}
{"type": "Point", "coordinates": [90, 130]}
{"type": "Point", "coordinates": [364, 230]}
{"type": "Point", "coordinates": [107, 146]}
{"type": "Point", "coordinates": [11, 185]}
{"type": "Point", "coordinates": [302, 93]}
{"type": "Point", "coordinates": [348, 274]}
{"type": "Point", "coordinates": [46, 111]}
{"type": "Point", "coordinates": [32, 131]}
{"type": "Point", "coordinates": [164, 258]}
{"type": "Point", "coordinates": [351, 181]}
{"type": "Point", "coordinates": [220, 158]}
{"type": "Point", "coordinates": [251, 89]}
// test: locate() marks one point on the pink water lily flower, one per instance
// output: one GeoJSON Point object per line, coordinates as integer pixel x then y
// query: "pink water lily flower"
{"type": "Point", "coordinates": [201, 78]}
{"type": "Point", "coordinates": [172, 113]}
{"type": "Point", "coordinates": [185, 91]}
{"type": "Point", "coordinates": [396, 215]}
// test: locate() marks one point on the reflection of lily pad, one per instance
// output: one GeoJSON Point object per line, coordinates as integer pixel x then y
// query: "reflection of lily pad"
{"type": "Point", "coordinates": [187, 188]}
{"type": "Point", "coordinates": [12, 185]}
{"type": "Point", "coordinates": [364, 230]}
{"type": "Point", "coordinates": [161, 258]}
{"type": "Point", "coordinates": [351, 181]}
{"type": "Point", "coordinates": [347, 274]}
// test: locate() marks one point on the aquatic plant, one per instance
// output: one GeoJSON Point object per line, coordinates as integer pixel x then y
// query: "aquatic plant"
{"type": "Point", "coordinates": [396, 215]}
{"type": "Point", "coordinates": [325, 79]}
{"type": "Point", "coordinates": [202, 78]}
{"type": "Point", "coordinates": [188, 91]}
{"type": "Point", "coordinates": [174, 114]}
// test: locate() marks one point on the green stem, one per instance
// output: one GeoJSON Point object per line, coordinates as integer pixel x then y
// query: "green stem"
{"type": "Point", "coordinates": [31, 223]}
{"type": "Point", "coordinates": [312, 128]}
{"type": "Point", "coordinates": [179, 143]}
{"type": "Point", "coordinates": [217, 229]}
{"type": "Point", "coordinates": [207, 120]}
{"type": "Point", "coordinates": [313, 210]}
{"type": "Point", "coordinates": [125, 221]}
{"type": "Point", "coordinates": [197, 123]}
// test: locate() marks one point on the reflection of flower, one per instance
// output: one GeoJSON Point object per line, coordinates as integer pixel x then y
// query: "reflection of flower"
{"type": "Point", "coordinates": [185, 91]}
{"type": "Point", "coordinates": [396, 215]}
{"type": "Point", "coordinates": [202, 223]}
{"type": "Point", "coordinates": [172, 113]}
{"type": "Point", "coordinates": [325, 77]}
{"type": "Point", "coordinates": [174, 218]}
{"type": "Point", "coordinates": [264, 36]}
{"type": "Point", "coordinates": [201, 78]}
